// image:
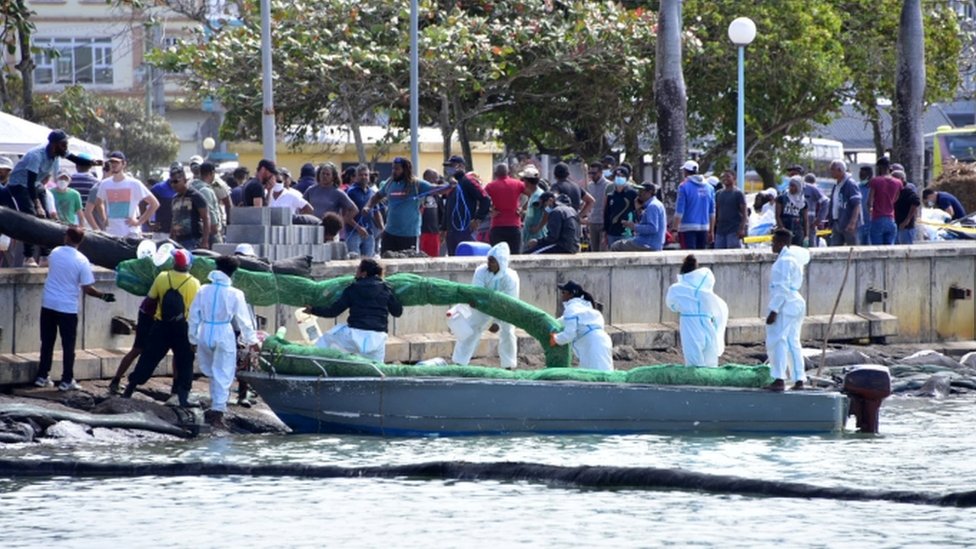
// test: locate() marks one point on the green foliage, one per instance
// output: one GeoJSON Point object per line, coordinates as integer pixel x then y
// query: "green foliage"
{"type": "Point", "coordinates": [115, 123]}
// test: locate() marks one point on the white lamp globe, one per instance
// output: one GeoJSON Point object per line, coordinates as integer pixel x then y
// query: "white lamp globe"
{"type": "Point", "coordinates": [209, 143]}
{"type": "Point", "coordinates": [742, 31]}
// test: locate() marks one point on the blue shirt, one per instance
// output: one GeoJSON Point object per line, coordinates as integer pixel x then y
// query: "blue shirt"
{"type": "Point", "coordinates": [360, 196]}
{"type": "Point", "coordinates": [403, 218]}
{"type": "Point", "coordinates": [696, 205]}
{"type": "Point", "coordinates": [943, 200]}
{"type": "Point", "coordinates": [36, 160]}
{"type": "Point", "coordinates": [653, 226]}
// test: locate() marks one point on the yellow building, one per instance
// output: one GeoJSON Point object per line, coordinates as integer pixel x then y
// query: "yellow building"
{"type": "Point", "coordinates": [336, 145]}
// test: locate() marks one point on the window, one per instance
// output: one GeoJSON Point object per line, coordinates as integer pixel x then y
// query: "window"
{"type": "Point", "coordinates": [73, 61]}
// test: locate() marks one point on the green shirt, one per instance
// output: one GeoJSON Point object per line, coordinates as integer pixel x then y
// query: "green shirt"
{"type": "Point", "coordinates": [67, 202]}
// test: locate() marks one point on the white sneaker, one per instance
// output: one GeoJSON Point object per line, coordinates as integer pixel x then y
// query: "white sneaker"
{"type": "Point", "coordinates": [173, 400]}
{"type": "Point", "coordinates": [69, 386]}
{"type": "Point", "coordinates": [29, 262]}
{"type": "Point", "coordinates": [43, 382]}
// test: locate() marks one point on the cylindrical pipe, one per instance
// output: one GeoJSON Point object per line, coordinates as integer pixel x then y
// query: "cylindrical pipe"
{"type": "Point", "coordinates": [740, 153]}
{"type": "Point", "coordinates": [414, 89]}
{"type": "Point", "coordinates": [268, 133]}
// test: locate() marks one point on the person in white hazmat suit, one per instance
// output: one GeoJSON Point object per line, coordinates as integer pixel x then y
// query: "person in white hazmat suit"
{"type": "Point", "coordinates": [786, 311]}
{"type": "Point", "coordinates": [703, 314]}
{"type": "Point", "coordinates": [217, 308]}
{"type": "Point", "coordinates": [583, 328]}
{"type": "Point", "coordinates": [495, 275]}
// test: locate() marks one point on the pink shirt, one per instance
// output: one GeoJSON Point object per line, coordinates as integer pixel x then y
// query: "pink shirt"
{"type": "Point", "coordinates": [884, 190]}
{"type": "Point", "coordinates": [504, 194]}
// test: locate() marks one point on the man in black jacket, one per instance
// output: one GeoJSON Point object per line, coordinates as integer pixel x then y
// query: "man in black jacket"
{"type": "Point", "coordinates": [370, 301]}
{"type": "Point", "coordinates": [467, 205]}
{"type": "Point", "coordinates": [562, 226]}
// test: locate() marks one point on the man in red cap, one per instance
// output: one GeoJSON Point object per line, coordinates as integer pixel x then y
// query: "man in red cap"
{"type": "Point", "coordinates": [173, 291]}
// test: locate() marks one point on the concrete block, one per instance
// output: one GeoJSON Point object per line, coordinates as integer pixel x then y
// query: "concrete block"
{"type": "Point", "coordinates": [280, 217]}
{"type": "Point", "coordinates": [823, 280]}
{"type": "Point", "coordinates": [881, 324]}
{"type": "Point", "coordinates": [846, 327]}
{"type": "Point", "coordinates": [26, 331]}
{"type": "Point", "coordinates": [635, 295]}
{"type": "Point", "coordinates": [745, 331]}
{"type": "Point", "coordinates": [87, 366]}
{"type": "Point", "coordinates": [424, 346]}
{"type": "Point", "coordinates": [953, 319]}
{"type": "Point", "coordinates": [649, 336]}
{"type": "Point", "coordinates": [911, 299]}
{"type": "Point", "coordinates": [250, 216]}
{"type": "Point", "coordinates": [16, 370]}
{"type": "Point", "coordinates": [109, 360]}
{"type": "Point", "coordinates": [225, 249]}
{"type": "Point", "coordinates": [869, 274]}
{"type": "Point", "coordinates": [397, 350]}
{"type": "Point", "coordinates": [738, 284]}
{"type": "Point", "coordinates": [252, 234]}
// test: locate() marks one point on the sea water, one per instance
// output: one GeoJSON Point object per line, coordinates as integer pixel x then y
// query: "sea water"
{"type": "Point", "coordinates": [925, 445]}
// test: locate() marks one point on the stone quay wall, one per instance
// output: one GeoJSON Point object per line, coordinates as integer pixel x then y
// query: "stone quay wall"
{"type": "Point", "coordinates": [896, 293]}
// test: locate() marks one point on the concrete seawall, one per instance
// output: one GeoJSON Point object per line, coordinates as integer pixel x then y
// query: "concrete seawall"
{"type": "Point", "coordinates": [917, 279]}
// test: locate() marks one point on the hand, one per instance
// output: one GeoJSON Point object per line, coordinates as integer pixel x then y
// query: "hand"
{"type": "Point", "coordinates": [362, 231]}
{"type": "Point", "coordinates": [254, 348]}
{"type": "Point", "coordinates": [474, 225]}
{"type": "Point", "coordinates": [193, 348]}
{"type": "Point", "coordinates": [711, 237]}
{"type": "Point", "coordinates": [552, 340]}
{"type": "Point", "coordinates": [742, 233]}
{"type": "Point", "coordinates": [108, 297]}
{"type": "Point", "coordinates": [494, 328]}
{"type": "Point", "coordinates": [307, 310]}
{"type": "Point", "coordinates": [628, 224]}
{"type": "Point", "coordinates": [771, 319]}
{"type": "Point", "coordinates": [532, 243]}
{"type": "Point", "coordinates": [132, 222]}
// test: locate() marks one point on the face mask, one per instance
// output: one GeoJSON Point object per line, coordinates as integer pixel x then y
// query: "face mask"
{"type": "Point", "coordinates": [620, 181]}
{"type": "Point", "coordinates": [278, 187]}
{"type": "Point", "coordinates": [930, 204]}
{"type": "Point", "coordinates": [607, 174]}
{"type": "Point", "coordinates": [62, 184]}
{"type": "Point", "coordinates": [548, 209]}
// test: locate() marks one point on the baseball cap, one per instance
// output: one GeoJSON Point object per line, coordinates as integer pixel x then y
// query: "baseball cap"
{"type": "Point", "coordinates": [268, 165]}
{"type": "Point", "coordinates": [63, 174]}
{"type": "Point", "coordinates": [117, 154]}
{"type": "Point", "coordinates": [546, 196]}
{"type": "Point", "coordinates": [622, 170]}
{"type": "Point", "coordinates": [245, 249]}
{"type": "Point", "coordinates": [196, 159]}
{"type": "Point", "coordinates": [456, 160]}
{"type": "Point", "coordinates": [84, 159]}
{"type": "Point", "coordinates": [649, 187]}
{"type": "Point", "coordinates": [176, 168]}
{"type": "Point", "coordinates": [182, 259]}
{"type": "Point", "coordinates": [690, 166]}
{"type": "Point", "coordinates": [795, 168]}
{"type": "Point", "coordinates": [571, 287]}
{"type": "Point", "coordinates": [57, 136]}
{"type": "Point", "coordinates": [530, 171]}
{"type": "Point", "coordinates": [6, 163]}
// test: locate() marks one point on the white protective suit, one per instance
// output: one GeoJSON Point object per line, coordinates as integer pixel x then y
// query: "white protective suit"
{"type": "Point", "coordinates": [506, 280]}
{"type": "Point", "coordinates": [703, 317]}
{"type": "Point", "coordinates": [783, 336]}
{"type": "Point", "coordinates": [583, 327]}
{"type": "Point", "coordinates": [367, 343]}
{"type": "Point", "coordinates": [216, 309]}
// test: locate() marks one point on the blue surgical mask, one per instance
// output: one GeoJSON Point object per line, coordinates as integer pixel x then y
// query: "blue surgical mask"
{"type": "Point", "coordinates": [548, 209]}
{"type": "Point", "coordinates": [607, 173]}
{"type": "Point", "coordinates": [620, 181]}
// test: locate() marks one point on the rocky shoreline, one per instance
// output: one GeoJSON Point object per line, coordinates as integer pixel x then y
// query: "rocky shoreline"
{"type": "Point", "coordinates": [93, 415]}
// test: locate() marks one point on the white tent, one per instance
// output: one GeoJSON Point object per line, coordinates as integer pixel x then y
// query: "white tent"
{"type": "Point", "coordinates": [17, 136]}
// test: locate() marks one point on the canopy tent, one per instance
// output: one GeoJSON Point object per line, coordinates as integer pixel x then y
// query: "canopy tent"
{"type": "Point", "coordinates": [17, 136]}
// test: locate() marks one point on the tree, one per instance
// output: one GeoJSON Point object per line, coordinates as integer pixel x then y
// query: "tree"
{"type": "Point", "coordinates": [15, 35]}
{"type": "Point", "coordinates": [908, 143]}
{"type": "Point", "coordinates": [115, 123]}
{"type": "Point", "coordinates": [670, 94]}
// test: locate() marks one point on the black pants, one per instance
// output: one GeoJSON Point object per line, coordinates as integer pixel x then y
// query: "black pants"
{"type": "Point", "coordinates": [394, 243]}
{"type": "Point", "coordinates": [166, 336]}
{"type": "Point", "coordinates": [53, 322]}
{"type": "Point", "coordinates": [512, 235]}
{"type": "Point", "coordinates": [25, 205]}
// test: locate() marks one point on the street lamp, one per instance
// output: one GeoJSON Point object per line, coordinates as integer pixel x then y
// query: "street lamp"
{"type": "Point", "coordinates": [742, 32]}
{"type": "Point", "coordinates": [208, 146]}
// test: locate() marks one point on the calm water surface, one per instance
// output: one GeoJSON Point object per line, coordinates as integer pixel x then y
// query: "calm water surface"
{"type": "Point", "coordinates": [926, 445]}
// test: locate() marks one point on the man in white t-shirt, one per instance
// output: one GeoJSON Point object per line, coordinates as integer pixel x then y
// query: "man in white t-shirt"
{"type": "Point", "coordinates": [285, 197]}
{"type": "Point", "coordinates": [121, 196]}
{"type": "Point", "coordinates": [69, 270]}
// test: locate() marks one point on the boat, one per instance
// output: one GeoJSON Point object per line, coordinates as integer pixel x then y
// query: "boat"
{"type": "Point", "coordinates": [465, 406]}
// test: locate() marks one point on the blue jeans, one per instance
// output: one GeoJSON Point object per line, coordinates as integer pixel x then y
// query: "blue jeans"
{"type": "Point", "coordinates": [365, 246]}
{"type": "Point", "coordinates": [864, 234]}
{"type": "Point", "coordinates": [611, 239]}
{"type": "Point", "coordinates": [727, 241]}
{"type": "Point", "coordinates": [694, 240]}
{"type": "Point", "coordinates": [906, 236]}
{"type": "Point", "coordinates": [883, 231]}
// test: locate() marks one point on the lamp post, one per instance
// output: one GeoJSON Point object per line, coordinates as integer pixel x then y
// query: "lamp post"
{"type": "Point", "coordinates": [742, 32]}
{"type": "Point", "coordinates": [208, 146]}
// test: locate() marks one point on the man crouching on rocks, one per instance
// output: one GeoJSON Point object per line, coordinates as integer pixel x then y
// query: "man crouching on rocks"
{"type": "Point", "coordinates": [216, 310]}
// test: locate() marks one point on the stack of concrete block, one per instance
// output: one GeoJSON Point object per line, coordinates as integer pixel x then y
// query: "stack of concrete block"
{"type": "Point", "coordinates": [271, 233]}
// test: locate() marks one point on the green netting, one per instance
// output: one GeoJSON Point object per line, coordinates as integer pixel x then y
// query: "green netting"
{"type": "Point", "coordinates": [136, 276]}
{"type": "Point", "coordinates": [293, 359]}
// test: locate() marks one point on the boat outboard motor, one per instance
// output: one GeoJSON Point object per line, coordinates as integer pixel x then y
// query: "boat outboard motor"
{"type": "Point", "coordinates": [867, 386]}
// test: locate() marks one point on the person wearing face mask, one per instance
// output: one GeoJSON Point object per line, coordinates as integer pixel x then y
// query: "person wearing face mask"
{"type": "Point", "coordinates": [562, 226]}
{"type": "Point", "coordinates": [791, 211]}
{"type": "Point", "coordinates": [945, 202]}
{"type": "Point", "coordinates": [598, 187]}
{"type": "Point", "coordinates": [281, 196]}
{"type": "Point", "coordinates": [67, 201]}
{"type": "Point", "coordinates": [621, 207]}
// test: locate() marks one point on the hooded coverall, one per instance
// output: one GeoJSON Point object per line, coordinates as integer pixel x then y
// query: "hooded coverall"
{"type": "Point", "coordinates": [217, 308]}
{"type": "Point", "coordinates": [506, 280]}
{"type": "Point", "coordinates": [703, 317]}
{"type": "Point", "coordinates": [783, 336]}
{"type": "Point", "coordinates": [583, 327]}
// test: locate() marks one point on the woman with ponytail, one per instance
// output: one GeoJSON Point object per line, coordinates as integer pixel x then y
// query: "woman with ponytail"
{"type": "Point", "coordinates": [703, 314]}
{"type": "Point", "coordinates": [583, 328]}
